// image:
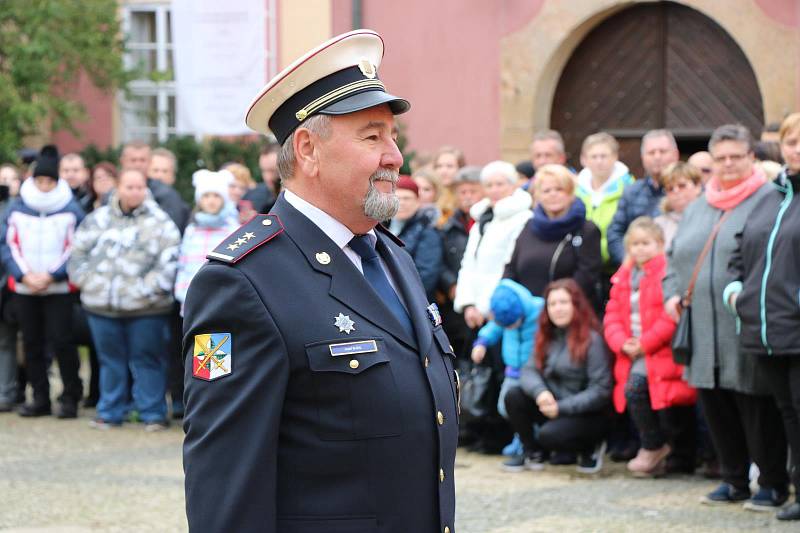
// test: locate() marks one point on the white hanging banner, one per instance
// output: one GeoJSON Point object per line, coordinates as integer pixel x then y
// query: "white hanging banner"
{"type": "Point", "coordinates": [219, 51]}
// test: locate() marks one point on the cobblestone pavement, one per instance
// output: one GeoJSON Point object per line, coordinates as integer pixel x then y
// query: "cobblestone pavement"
{"type": "Point", "coordinates": [62, 476]}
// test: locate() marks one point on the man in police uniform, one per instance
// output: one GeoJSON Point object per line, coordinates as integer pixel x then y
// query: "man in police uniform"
{"type": "Point", "coordinates": [320, 390]}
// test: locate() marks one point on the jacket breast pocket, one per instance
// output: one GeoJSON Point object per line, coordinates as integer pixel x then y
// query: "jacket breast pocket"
{"type": "Point", "coordinates": [355, 390]}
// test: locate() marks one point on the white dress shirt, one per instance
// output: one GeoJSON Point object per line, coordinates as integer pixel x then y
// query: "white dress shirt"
{"type": "Point", "coordinates": [338, 233]}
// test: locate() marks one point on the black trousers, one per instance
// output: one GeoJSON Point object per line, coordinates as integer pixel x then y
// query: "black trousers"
{"type": "Point", "coordinates": [783, 374]}
{"type": "Point", "coordinates": [745, 427]}
{"type": "Point", "coordinates": [47, 321]}
{"type": "Point", "coordinates": [577, 433]}
{"type": "Point", "coordinates": [674, 425]}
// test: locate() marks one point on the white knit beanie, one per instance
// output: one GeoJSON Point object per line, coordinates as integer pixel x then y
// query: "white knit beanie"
{"type": "Point", "coordinates": [207, 181]}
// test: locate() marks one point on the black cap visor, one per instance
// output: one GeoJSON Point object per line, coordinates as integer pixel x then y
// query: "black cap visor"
{"type": "Point", "coordinates": [365, 100]}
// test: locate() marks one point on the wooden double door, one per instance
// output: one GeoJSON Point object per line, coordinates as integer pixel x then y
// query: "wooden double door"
{"type": "Point", "coordinates": [660, 65]}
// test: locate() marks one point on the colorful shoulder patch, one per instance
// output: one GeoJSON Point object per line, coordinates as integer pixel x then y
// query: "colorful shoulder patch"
{"type": "Point", "coordinates": [213, 356]}
{"type": "Point", "coordinates": [251, 235]}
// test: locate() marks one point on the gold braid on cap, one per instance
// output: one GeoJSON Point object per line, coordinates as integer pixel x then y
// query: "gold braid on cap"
{"type": "Point", "coordinates": [336, 94]}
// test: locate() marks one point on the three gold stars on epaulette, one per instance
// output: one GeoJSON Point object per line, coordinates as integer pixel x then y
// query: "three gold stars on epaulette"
{"type": "Point", "coordinates": [241, 240]}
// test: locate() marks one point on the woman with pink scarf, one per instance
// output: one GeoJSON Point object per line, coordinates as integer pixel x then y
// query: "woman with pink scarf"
{"type": "Point", "coordinates": [742, 418]}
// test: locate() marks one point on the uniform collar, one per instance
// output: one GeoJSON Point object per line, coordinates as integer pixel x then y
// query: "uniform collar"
{"type": "Point", "coordinates": [335, 230]}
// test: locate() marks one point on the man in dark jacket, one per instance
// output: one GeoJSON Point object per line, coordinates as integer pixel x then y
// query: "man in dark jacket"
{"type": "Point", "coordinates": [136, 155]}
{"type": "Point", "coordinates": [455, 233]}
{"type": "Point", "coordinates": [642, 198]}
{"type": "Point", "coordinates": [263, 195]}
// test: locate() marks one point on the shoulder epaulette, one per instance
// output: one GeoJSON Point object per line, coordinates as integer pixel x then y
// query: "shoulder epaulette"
{"type": "Point", "coordinates": [394, 238]}
{"type": "Point", "coordinates": [252, 234]}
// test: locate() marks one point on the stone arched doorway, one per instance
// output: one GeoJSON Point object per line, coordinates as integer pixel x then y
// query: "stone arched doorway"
{"type": "Point", "coordinates": [660, 65]}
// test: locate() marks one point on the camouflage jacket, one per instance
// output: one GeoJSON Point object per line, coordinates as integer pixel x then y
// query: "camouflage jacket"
{"type": "Point", "coordinates": [124, 264]}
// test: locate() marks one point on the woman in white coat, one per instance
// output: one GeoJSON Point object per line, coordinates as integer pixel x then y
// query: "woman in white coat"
{"type": "Point", "coordinates": [499, 218]}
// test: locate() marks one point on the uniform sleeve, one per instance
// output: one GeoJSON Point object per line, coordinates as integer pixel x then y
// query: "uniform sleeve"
{"type": "Point", "coordinates": [231, 423]}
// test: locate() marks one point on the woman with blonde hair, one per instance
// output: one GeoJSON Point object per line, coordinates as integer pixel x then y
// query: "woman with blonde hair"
{"type": "Point", "coordinates": [558, 242]}
{"type": "Point", "coordinates": [446, 165]}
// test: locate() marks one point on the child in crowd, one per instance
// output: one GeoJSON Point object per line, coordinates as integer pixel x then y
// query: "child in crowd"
{"type": "Point", "coordinates": [38, 230]}
{"type": "Point", "coordinates": [639, 332]}
{"type": "Point", "coordinates": [215, 218]}
{"type": "Point", "coordinates": [565, 389]}
{"type": "Point", "coordinates": [515, 312]}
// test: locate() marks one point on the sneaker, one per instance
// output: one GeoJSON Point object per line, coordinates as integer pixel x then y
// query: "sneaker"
{"type": "Point", "coordinates": [521, 462]}
{"type": "Point", "coordinates": [31, 410]}
{"type": "Point", "coordinates": [790, 512]}
{"type": "Point", "coordinates": [514, 447]}
{"type": "Point", "coordinates": [156, 425]}
{"type": "Point", "coordinates": [725, 493]}
{"type": "Point", "coordinates": [67, 410]}
{"type": "Point", "coordinates": [766, 500]}
{"type": "Point", "coordinates": [591, 463]}
{"type": "Point", "coordinates": [103, 425]}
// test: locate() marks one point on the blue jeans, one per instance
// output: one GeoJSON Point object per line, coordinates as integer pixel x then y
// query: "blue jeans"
{"type": "Point", "coordinates": [138, 344]}
{"type": "Point", "coordinates": [508, 382]}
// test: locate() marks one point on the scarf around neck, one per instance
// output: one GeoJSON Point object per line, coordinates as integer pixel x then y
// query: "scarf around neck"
{"type": "Point", "coordinates": [726, 199]}
{"type": "Point", "coordinates": [555, 229]}
{"type": "Point", "coordinates": [45, 202]}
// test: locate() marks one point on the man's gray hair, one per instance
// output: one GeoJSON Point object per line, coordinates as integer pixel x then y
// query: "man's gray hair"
{"type": "Point", "coordinates": [550, 135]}
{"type": "Point", "coordinates": [657, 134]}
{"type": "Point", "coordinates": [317, 124]}
{"type": "Point", "coordinates": [731, 132]}
{"type": "Point", "coordinates": [470, 174]}
{"type": "Point", "coordinates": [503, 168]}
{"type": "Point", "coordinates": [167, 154]}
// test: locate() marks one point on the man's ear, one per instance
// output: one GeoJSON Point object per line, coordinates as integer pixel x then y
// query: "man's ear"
{"type": "Point", "coordinates": [305, 147]}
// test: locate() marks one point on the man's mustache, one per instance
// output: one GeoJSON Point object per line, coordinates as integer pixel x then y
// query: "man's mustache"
{"type": "Point", "coordinates": [385, 175]}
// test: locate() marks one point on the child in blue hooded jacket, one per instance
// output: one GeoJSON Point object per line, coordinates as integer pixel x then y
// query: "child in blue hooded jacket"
{"type": "Point", "coordinates": [515, 312]}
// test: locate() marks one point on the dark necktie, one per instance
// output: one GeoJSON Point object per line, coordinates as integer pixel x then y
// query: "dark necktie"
{"type": "Point", "coordinates": [373, 271]}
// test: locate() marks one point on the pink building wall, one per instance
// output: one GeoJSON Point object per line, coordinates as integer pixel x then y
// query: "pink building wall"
{"type": "Point", "coordinates": [98, 128]}
{"type": "Point", "coordinates": [444, 57]}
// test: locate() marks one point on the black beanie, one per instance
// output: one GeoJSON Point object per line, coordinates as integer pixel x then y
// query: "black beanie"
{"type": "Point", "coordinates": [47, 162]}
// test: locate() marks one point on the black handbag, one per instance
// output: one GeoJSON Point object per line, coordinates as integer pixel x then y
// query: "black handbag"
{"type": "Point", "coordinates": [682, 338]}
{"type": "Point", "coordinates": [476, 392]}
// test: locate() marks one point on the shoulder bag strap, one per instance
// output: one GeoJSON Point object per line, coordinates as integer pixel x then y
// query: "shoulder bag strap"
{"type": "Point", "coordinates": [687, 297]}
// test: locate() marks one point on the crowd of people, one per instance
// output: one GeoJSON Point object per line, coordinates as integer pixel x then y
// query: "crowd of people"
{"type": "Point", "coordinates": [563, 293]}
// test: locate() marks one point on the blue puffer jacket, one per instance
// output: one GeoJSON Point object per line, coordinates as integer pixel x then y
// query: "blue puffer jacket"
{"type": "Point", "coordinates": [640, 199]}
{"type": "Point", "coordinates": [424, 244]}
{"type": "Point", "coordinates": [517, 343]}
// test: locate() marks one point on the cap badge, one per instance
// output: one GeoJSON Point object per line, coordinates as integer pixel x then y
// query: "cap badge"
{"type": "Point", "coordinates": [344, 323]}
{"type": "Point", "coordinates": [323, 258]}
{"type": "Point", "coordinates": [367, 68]}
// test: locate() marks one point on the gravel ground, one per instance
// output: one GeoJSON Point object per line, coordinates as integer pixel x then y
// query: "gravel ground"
{"type": "Point", "coordinates": [62, 476]}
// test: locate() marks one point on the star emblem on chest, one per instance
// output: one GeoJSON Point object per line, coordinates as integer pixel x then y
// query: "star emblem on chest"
{"type": "Point", "coordinates": [344, 323]}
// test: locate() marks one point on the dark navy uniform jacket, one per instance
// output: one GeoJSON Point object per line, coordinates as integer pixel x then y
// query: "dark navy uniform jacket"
{"type": "Point", "coordinates": [295, 439]}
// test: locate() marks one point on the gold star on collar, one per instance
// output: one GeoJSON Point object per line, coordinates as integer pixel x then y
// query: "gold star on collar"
{"type": "Point", "coordinates": [240, 241]}
{"type": "Point", "coordinates": [232, 247]}
{"type": "Point", "coordinates": [249, 235]}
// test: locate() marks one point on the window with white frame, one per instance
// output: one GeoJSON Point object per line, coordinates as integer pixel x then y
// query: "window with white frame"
{"type": "Point", "coordinates": [148, 110]}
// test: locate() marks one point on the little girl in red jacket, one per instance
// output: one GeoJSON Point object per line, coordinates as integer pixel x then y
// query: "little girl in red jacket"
{"type": "Point", "coordinates": [639, 332]}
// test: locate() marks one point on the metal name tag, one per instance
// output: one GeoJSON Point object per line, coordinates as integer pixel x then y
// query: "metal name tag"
{"type": "Point", "coordinates": [352, 348]}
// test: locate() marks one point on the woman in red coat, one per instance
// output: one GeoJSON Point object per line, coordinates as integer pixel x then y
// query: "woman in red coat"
{"type": "Point", "coordinates": [639, 332]}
